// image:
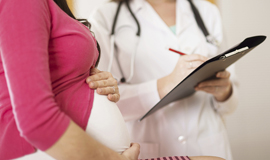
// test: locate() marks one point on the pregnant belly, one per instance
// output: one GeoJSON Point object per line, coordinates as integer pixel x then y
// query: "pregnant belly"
{"type": "Point", "coordinates": [107, 125]}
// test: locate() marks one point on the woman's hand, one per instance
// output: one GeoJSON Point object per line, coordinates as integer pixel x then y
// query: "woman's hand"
{"type": "Point", "coordinates": [220, 88]}
{"type": "Point", "coordinates": [185, 65]}
{"type": "Point", "coordinates": [132, 153]}
{"type": "Point", "coordinates": [104, 83]}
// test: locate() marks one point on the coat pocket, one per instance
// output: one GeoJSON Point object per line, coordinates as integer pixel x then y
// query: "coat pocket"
{"type": "Point", "coordinates": [215, 145]}
{"type": "Point", "coordinates": [148, 150]}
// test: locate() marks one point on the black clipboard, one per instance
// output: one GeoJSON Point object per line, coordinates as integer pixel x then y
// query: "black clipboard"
{"type": "Point", "coordinates": [207, 70]}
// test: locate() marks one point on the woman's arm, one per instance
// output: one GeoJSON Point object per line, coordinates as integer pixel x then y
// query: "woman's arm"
{"type": "Point", "coordinates": [185, 65]}
{"type": "Point", "coordinates": [25, 30]}
{"type": "Point", "coordinates": [76, 144]}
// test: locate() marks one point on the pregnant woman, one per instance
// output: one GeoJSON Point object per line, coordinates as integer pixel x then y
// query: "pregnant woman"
{"type": "Point", "coordinates": [47, 111]}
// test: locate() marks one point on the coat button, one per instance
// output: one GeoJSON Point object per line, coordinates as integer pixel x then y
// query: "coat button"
{"type": "Point", "coordinates": [182, 139]}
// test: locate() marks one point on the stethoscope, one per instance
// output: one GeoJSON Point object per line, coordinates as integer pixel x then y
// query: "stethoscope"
{"type": "Point", "coordinates": [210, 39]}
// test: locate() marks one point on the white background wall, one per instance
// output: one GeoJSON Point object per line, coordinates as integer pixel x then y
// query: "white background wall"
{"type": "Point", "coordinates": [249, 126]}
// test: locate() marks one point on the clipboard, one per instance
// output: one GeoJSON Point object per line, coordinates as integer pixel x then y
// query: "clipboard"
{"type": "Point", "coordinates": [206, 71]}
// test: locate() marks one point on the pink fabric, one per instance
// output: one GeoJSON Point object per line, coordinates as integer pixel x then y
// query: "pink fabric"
{"type": "Point", "coordinates": [170, 158]}
{"type": "Point", "coordinates": [45, 59]}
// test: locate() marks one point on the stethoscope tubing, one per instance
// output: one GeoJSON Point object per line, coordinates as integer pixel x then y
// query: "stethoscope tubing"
{"type": "Point", "coordinates": [209, 38]}
{"type": "Point", "coordinates": [112, 42]}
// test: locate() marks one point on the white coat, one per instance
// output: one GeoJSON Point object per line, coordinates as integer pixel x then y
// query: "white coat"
{"type": "Point", "coordinates": [191, 126]}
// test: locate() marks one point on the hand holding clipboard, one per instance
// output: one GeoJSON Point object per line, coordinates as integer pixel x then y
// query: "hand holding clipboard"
{"type": "Point", "coordinates": [207, 70]}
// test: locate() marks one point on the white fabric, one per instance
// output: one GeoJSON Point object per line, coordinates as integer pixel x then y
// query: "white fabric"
{"type": "Point", "coordinates": [105, 124]}
{"type": "Point", "coordinates": [192, 126]}
{"type": "Point", "coordinates": [39, 155]}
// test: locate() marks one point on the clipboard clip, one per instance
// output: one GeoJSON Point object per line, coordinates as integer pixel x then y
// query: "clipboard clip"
{"type": "Point", "coordinates": [233, 53]}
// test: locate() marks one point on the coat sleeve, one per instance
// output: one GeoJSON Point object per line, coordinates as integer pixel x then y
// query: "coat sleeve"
{"type": "Point", "coordinates": [228, 106]}
{"type": "Point", "coordinates": [25, 33]}
{"type": "Point", "coordinates": [136, 99]}
{"type": "Point", "coordinates": [215, 28]}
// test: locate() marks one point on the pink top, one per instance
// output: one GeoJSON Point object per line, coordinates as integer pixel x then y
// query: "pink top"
{"type": "Point", "coordinates": [45, 59]}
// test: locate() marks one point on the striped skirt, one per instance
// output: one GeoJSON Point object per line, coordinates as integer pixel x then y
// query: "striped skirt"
{"type": "Point", "coordinates": [170, 158]}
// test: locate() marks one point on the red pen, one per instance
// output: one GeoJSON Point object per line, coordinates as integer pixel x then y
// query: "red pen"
{"type": "Point", "coordinates": [177, 52]}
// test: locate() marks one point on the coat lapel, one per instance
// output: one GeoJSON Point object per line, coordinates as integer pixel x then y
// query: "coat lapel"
{"type": "Point", "coordinates": [184, 17]}
{"type": "Point", "coordinates": [150, 16]}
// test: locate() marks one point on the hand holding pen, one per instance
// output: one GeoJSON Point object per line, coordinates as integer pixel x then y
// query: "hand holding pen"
{"type": "Point", "coordinates": [193, 60]}
{"type": "Point", "coordinates": [220, 87]}
{"type": "Point", "coordinates": [184, 66]}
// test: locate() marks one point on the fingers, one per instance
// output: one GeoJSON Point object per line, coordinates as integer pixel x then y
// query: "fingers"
{"type": "Point", "coordinates": [100, 79]}
{"type": "Point", "coordinates": [222, 80]}
{"type": "Point", "coordinates": [112, 92]}
{"type": "Point", "coordinates": [213, 90]}
{"type": "Point", "coordinates": [94, 71]}
{"type": "Point", "coordinates": [195, 57]}
{"type": "Point", "coordinates": [136, 145]}
{"type": "Point", "coordinates": [103, 83]}
{"type": "Point", "coordinates": [214, 82]}
{"type": "Point", "coordinates": [215, 86]}
{"type": "Point", "coordinates": [114, 97]}
{"type": "Point", "coordinates": [193, 61]}
{"type": "Point", "coordinates": [221, 89]}
{"type": "Point", "coordinates": [223, 74]}
{"type": "Point", "coordinates": [193, 64]}
{"type": "Point", "coordinates": [133, 152]}
{"type": "Point", "coordinates": [99, 76]}
{"type": "Point", "coordinates": [108, 90]}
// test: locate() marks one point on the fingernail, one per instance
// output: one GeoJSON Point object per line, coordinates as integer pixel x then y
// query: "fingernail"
{"type": "Point", "coordinates": [92, 85]}
{"type": "Point", "coordinates": [99, 90]}
{"type": "Point", "coordinates": [88, 80]}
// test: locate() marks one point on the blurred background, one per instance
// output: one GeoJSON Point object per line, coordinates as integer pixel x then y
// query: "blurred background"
{"type": "Point", "coordinates": [249, 126]}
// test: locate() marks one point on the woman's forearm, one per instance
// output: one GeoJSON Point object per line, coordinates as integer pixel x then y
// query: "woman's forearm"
{"type": "Point", "coordinates": [77, 144]}
{"type": "Point", "coordinates": [164, 86]}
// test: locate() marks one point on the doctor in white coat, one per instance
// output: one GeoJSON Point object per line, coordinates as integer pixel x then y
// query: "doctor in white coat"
{"type": "Point", "coordinates": [191, 126]}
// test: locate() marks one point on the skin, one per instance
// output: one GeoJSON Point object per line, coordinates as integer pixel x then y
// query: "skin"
{"type": "Point", "coordinates": [77, 144]}
{"type": "Point", "coordinates": [220, 88]}
{"type": "Point", "coordinates": [181, 70]}
{"type": "Point", "coordinates": [165, 9]}
{"type": "Point", "coordinates": [104, 83]}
